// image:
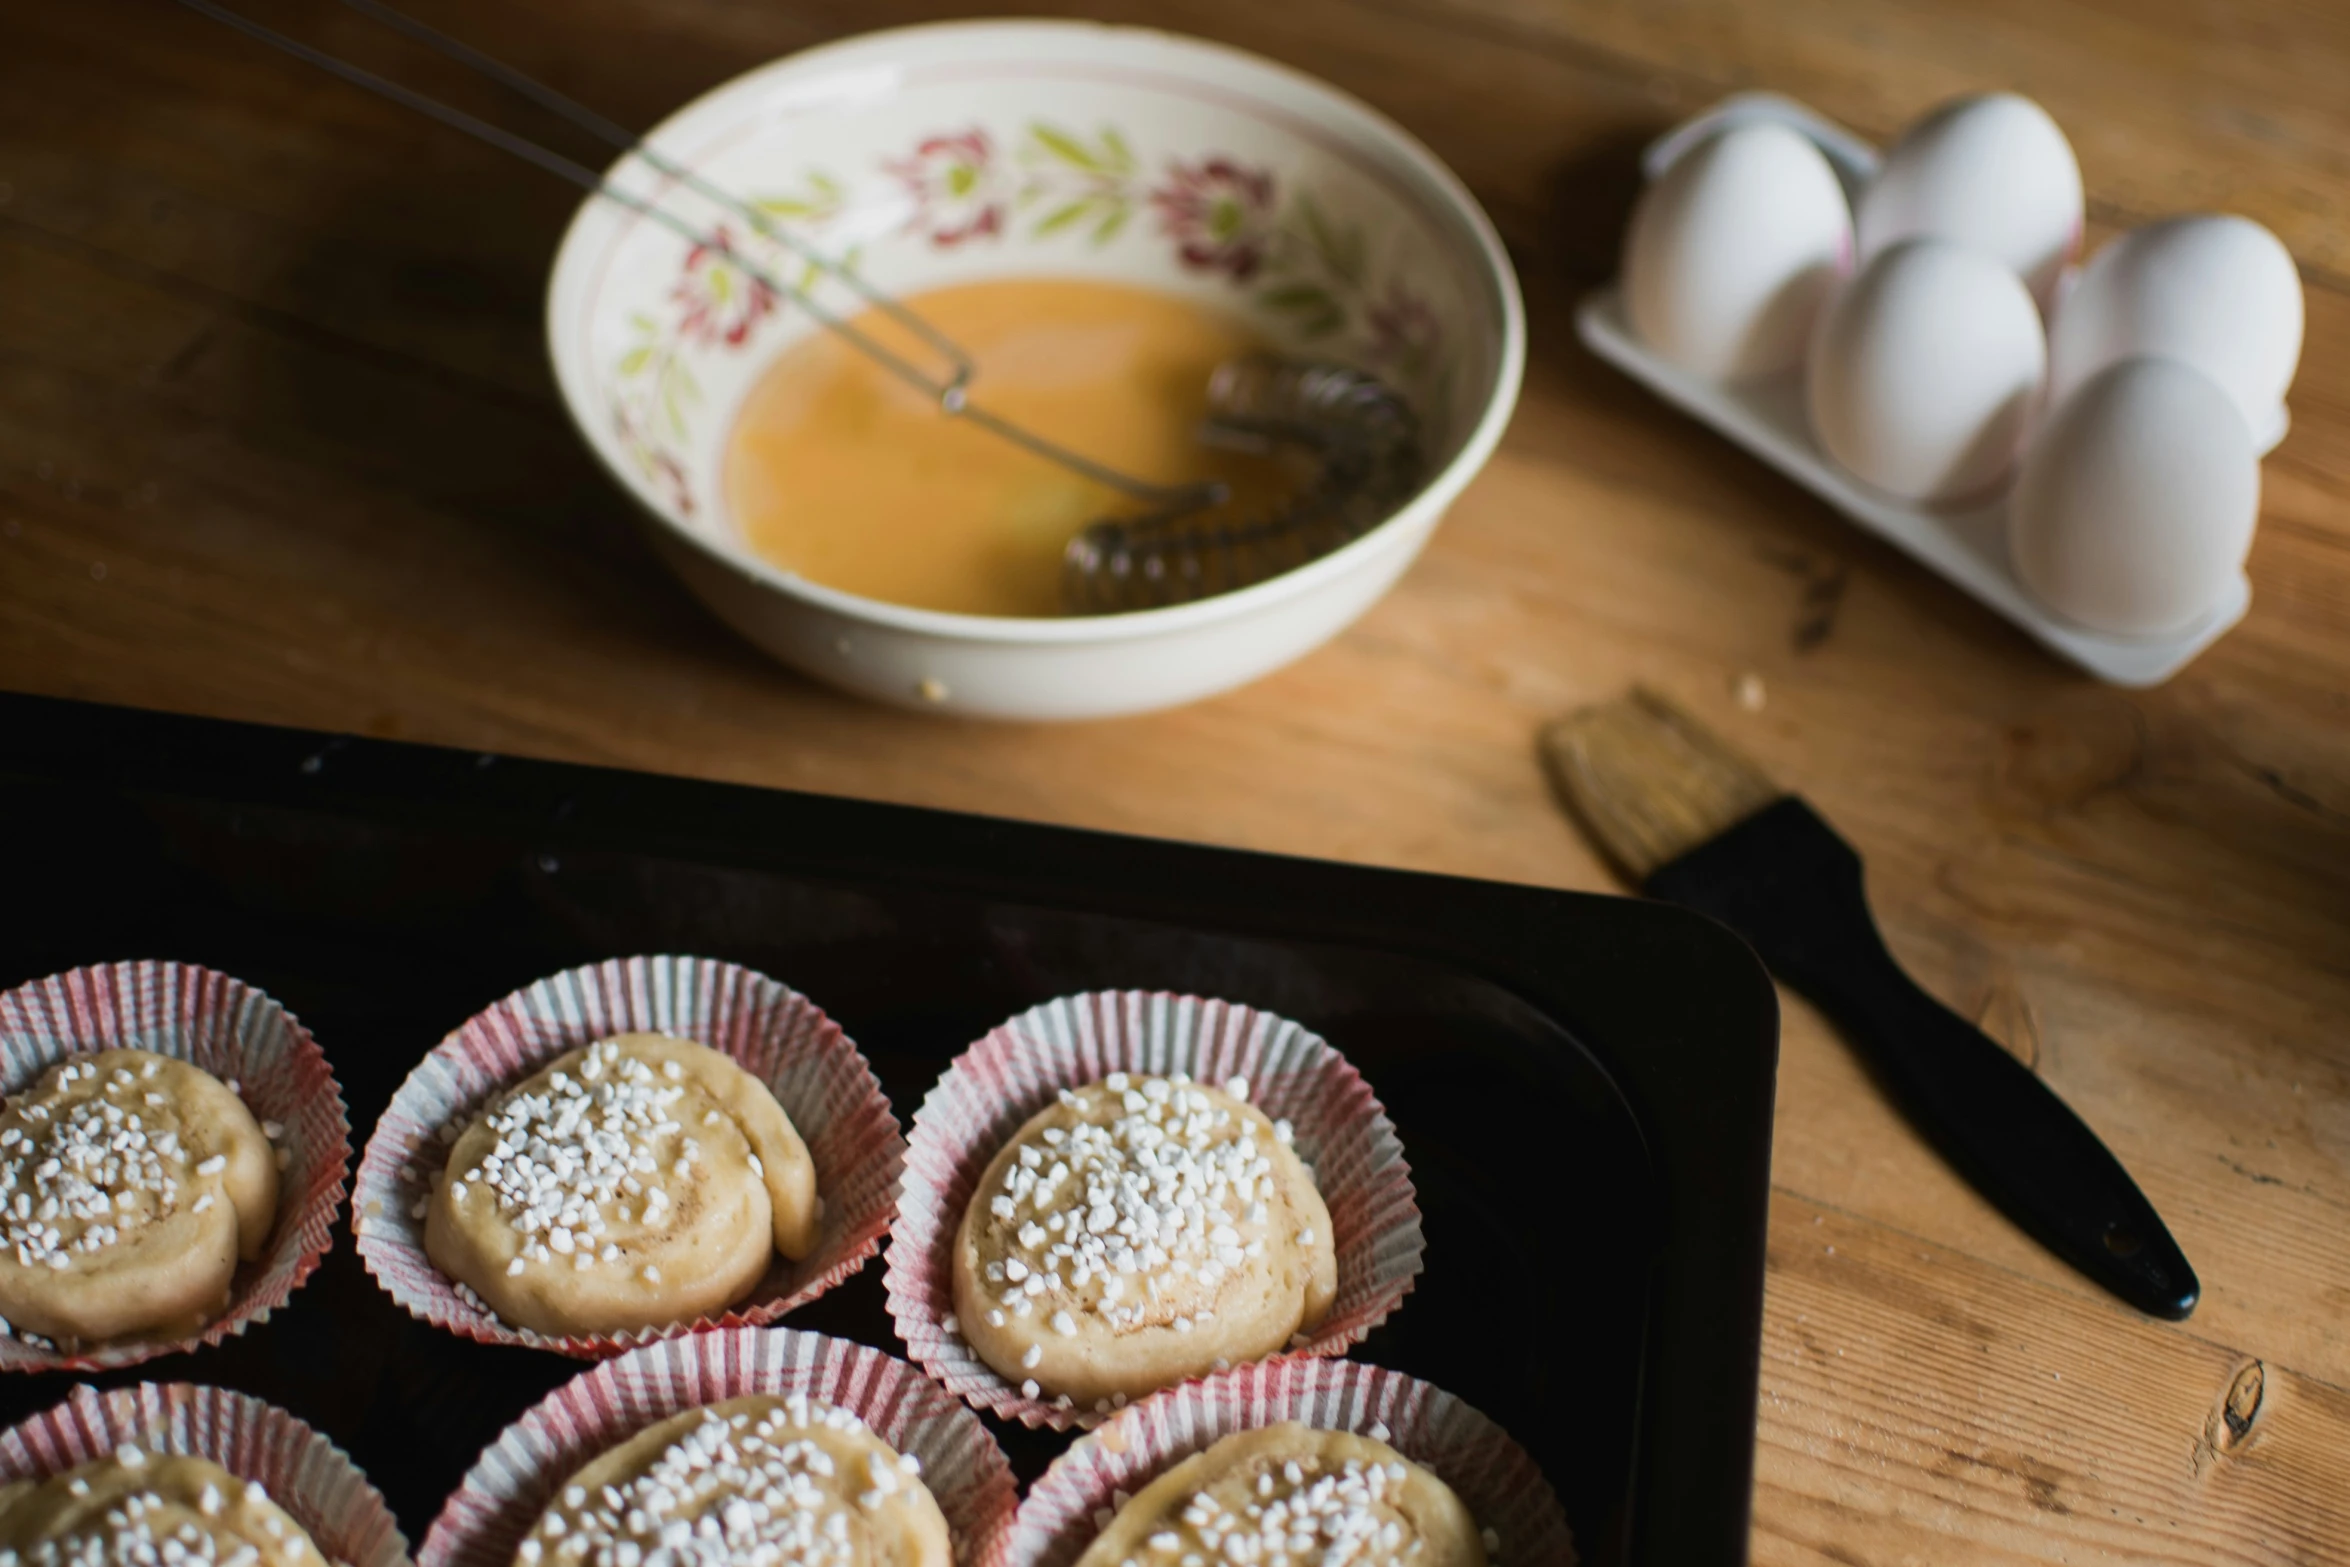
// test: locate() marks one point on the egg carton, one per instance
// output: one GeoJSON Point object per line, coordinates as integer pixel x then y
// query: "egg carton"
{"type": "Point", "coordinates": [1768, 417]}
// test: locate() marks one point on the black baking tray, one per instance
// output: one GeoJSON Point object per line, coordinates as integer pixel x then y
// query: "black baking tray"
{"type": "Point", "coordinates": [1583, 1084]}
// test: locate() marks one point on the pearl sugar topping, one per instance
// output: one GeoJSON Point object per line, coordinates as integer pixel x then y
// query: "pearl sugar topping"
{"type": "Point", "coordinates": [737, 1490]}
{"type": "Point", "coordinates": [79, 1171]}
{"type": "Point", "coordinates": [139, 1531]}
{"type": "Point", "coordinates": [1295, 1513]}
{"type": "Point", "coordinates": [585, 1151]}
{"type": "Point", "coordinates": [1106, 1214]}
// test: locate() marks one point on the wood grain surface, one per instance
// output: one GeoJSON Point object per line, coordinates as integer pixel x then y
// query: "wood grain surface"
{"type": "Point", "coordinates": [277, 441]}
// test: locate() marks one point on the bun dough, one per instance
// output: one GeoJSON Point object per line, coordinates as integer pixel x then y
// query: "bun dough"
{"type": "Point", "coordinates": [1136, 1232]}
{"type": "Point", "coordinates": [130, 1185]}
{"type": "Point", "coordinates": [752, 1482]}
{"type": "Point", "coordinates": [1356, 1500]}
{"type": "Point", "coordinates": [638, 1182]}
{"type": "Point", "coordinates": [120, 1511]}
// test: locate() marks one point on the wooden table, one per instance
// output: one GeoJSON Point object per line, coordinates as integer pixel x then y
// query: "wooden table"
{"type": "Point", "coordinates": [277, 441]}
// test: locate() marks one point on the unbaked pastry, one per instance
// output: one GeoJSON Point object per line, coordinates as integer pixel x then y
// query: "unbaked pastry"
{"type": "Point", "coordinates": [139, 1509]}
{"type": "Point", "coordinates": [1138, 1231]}
{"type": "Point", "coordinates": [640, 1181]}
{"type": "Point", "coordinates": [1292, 1493]}
{"type": "Point", "coordinates": [751, 1482]}
{"type": "Point", "coordinates": [130, 1185]}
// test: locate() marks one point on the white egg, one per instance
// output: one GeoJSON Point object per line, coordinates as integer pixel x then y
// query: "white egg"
{"type": "Point", "coordinates": [2136, 504]}
{"type": "Point", "coordinates": [1991, 173]}
{"type": "Point", "coordinates": [2218, 293]}
{"type": "Point", "coordinates": [1925, 372]}
{"type": "Point", "coordinates": [1732, 251]}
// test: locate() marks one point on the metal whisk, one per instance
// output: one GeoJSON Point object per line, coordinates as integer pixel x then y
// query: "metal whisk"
{"type": "Point", "coordinates": [1366, 443]}
{"type": "Point", "coordinates": [1361, 435]}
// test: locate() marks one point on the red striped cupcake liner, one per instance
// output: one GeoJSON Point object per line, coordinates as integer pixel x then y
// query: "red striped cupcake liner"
{"type": "Point", "coordinates": [240, 1036]}
{"type": "Point", "coordinates": [770, 1030]}
{"type": "Point", "coordinates": [1341, 1132]}
{"type": "Point", "coordinates": [486, 1518]}
{"type": "Point", "coordinates": [1492, 1474]}
{"type": "Point", "coordinates": [302, 1471]}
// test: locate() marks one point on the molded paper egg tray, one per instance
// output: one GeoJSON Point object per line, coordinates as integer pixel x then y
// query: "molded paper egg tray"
{"type": "Point", "coordinates": [1582, 1085]}
{"type": "Point", "coordinates": [1768, 418]}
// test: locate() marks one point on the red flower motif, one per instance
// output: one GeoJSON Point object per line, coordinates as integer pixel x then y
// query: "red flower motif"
{"type": "Point", "coordinates": [722, 302]}
{"type": "Point", "coordinates": [1219, 214]}
{"type": "Point", "coordinates": [669, 473]}
{"type": "Point", "coordinates": [1404, 330]}
{"type": "Point", "coordinates": [957, 193]}
{"type": "Point", "coordinates": [664, 470]}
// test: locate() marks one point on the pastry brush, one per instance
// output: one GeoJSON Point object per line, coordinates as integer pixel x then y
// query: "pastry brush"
{"type": "Point", "coordinates": [1695, 823]}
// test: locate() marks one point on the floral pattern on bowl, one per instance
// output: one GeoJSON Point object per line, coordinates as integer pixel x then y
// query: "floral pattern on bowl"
{"type": "Point", "coordinates": [961, 152]}
{"type": "Point", "coordinates": [1306, 275]}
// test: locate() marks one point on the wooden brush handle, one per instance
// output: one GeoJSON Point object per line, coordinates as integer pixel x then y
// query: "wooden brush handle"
{"type": "Point", "coordinates": [1786, 882]}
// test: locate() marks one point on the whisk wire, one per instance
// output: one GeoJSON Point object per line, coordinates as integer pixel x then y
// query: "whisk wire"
{"type": "Point", "coordinates": [619, 137]}
{"type": "Point", "coordinates": [1364, 436]}
{"type": "Point", "coordinates": [951, 393]}
{"type": "Point", "coordinates": [1361, 433]}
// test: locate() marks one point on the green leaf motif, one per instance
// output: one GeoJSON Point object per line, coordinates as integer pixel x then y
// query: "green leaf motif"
{"type": "Point", "coordinates": [678, 393]}
{"type": "Point", "coordinates": [643, 323]}
{"type": "Point", "coordinates": [1340, 249]}
{"type": "Point", "coordinates": [1107, 229]}
{"type": "Point", "coordinates": [1120, 155]}
{"type": "Point", "coordinates": [1064, 146]}
{"type": "Point", "coordinates": [1060, 218]}
{"type": "Point", "coordinates": [636, 359]}
{"type": "Point", "coordinates": [722, 283]}
{"type": "Point", "coordinates": [1316, 312]}
{"type": "Point", "coordinates": [1293, 298]}
{"type": "Point", "coordinates": [1350, 258]}
{"type": "Point", "coordinates": [824, 196]}
{"type": "Point", "coordinates": [678, 389]}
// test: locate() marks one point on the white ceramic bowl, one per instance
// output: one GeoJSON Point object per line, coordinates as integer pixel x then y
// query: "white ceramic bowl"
{"type": "Point", "coordinates": [964, 151]}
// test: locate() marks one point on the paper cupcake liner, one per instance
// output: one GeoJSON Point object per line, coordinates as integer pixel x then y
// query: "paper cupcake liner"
{"type": "Point", "coordinates": [1492, 1474]}
{"type": "Point", "coordinates": [516, 1477]}
{"type": "Point", "coordinates": [770, 1030]}
{"type": "Point", "coordinates": [1341, 1132]}
{"type": "Point", "coordinates": [303, 1472]}
{"type": "Point", "coordinates": [238, 1035]}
